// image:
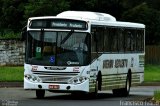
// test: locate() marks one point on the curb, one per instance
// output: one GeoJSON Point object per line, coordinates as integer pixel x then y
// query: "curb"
{"type": "Point", "coordinates": [11, 84]}
{"type": "Point", "coordinates": [150, 84]}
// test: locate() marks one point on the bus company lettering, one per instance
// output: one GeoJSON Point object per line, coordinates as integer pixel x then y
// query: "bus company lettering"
{"type": "Point", "coordinates": [119, 63]}
{"type": "Point", "coordinates": [108, 63]}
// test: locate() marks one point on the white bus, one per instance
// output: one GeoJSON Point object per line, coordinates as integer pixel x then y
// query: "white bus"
{"type": "Point", "coordinates": [79, 51]}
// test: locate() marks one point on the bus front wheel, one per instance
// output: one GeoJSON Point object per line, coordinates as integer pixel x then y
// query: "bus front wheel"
{"type": "Point", "coordinates": [98, 83]}
{"type": "Point", "coordinates": [40, 94]}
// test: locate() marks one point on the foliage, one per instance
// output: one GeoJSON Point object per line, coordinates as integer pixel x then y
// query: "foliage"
{"type": "Point", "coordinates": [154, 4]}
{"type": "Point", "coordinates": [45, 7]}
{"type": "Point", "coordinates": [143, 14]}
{"type": "Point", "coordinates": [9, 34]}
{"type": "Point", "coordinates": [14, 13]}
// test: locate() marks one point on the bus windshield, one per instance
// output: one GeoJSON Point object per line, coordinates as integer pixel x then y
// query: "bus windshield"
{"type": "Point", "coordinates": [54, 48]}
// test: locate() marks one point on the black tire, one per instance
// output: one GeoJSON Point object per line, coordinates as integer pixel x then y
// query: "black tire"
{"type": "Point", "coordinates": [96, 87]}
{"type": "Point", "coordinates": [98, 83]}
{"type": "Point", "coordinates": [40, 94]}
{"type": "Point", "coordinates": [124, 91]}
{"type": "Point", "coordinates": [94, 94]}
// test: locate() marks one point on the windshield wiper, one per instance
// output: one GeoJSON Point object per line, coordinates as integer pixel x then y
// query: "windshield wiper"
{"type": "Point", "coordinates": [67, 36]}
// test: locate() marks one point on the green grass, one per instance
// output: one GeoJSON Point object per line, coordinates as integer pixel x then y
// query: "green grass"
{"type": "Point", "coordinates": [11, 74]}
{"type": "Point", "coordinates": [152, 73]}
{"type": "Point", "coordinates": [157, 95]}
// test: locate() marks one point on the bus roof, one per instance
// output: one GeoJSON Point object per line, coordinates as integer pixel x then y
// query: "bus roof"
{"type": "Point", "coordinates": [43, 17]}
{"type": "Point", "coordinates": [99, 19]}
{"type": "Point", "coordinates": [91, 16]}
{"type": "Point", "coordinates": [94, 17]}
{"type": "Point", "coordinates": [120, 24]}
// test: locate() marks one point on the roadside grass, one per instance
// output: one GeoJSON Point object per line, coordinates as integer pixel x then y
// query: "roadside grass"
{"type": "Point", "coordinates": [152, 73]}
{"type": "Point", "coordinates": [11, 74]}
{"type": "Point", "coordinates": [157, 95]}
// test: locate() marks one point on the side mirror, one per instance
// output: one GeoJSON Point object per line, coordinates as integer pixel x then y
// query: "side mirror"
{"type": "Point", "coordinates": [24, 33]}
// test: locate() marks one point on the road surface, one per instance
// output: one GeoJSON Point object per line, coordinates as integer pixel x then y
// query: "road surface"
{"type": "Point", "coordinates": [19, 97]}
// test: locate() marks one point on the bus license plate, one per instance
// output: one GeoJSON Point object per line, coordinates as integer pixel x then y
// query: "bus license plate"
{"type": "Point", "coordinates": [53, 86]}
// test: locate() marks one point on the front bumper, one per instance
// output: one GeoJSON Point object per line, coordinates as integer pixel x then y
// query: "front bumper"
{"type": "Point", "coordinates": [84, 87]}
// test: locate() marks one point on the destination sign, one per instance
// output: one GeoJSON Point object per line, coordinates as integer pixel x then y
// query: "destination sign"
{"type": "Point", "coordinates": [58, 24]}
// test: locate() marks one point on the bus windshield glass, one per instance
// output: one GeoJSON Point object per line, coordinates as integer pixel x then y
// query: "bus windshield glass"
{"type": "Point", "coordinates": [58, 48]}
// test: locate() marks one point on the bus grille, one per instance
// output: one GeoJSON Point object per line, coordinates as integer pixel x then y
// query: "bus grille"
{"type": "Point", "coordinates": [55, 77]}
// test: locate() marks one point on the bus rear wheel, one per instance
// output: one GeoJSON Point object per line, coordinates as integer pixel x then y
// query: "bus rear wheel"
{"type": "Point", "coordinates": [123, 91]}
{"type": "Point", "coordinates": [40, 94]}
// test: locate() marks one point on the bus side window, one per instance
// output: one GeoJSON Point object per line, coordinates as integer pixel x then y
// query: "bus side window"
{"type": "Point", "coordinates": [100, 38]}
{"type": "Point", "coordinates": [113, 39]}
{"type": "Point", "coordinates": [120, 40]}
{"type": "Point", "coordinates": [94, 40]}
{"type": "Point", "coordinates": [128, 42]}
{"type": "Point", "coordinates": [93, 44]}
{"type": "Point", "coordinates": [140, 40]}
{"type": "Point", "coordinates": [133, 41]}
{"type": "Point", "coordinates": [107, 46]}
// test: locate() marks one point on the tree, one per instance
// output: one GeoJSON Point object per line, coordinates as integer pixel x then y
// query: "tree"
{"type": "Point", "coordinates": [129, 4]}
{"type": "Point", "coordinates": [45, 7]}
{"type": "Point", "coordinates": [155, 4]}
{"type": "Point", "coordinates": [82, 5]}
{"type": "Point", "coordinates": [143, 14]}
{"type": "Point", "coordinates": [12, 14]}
{"type": "Point", "coordinates": [113, 7]}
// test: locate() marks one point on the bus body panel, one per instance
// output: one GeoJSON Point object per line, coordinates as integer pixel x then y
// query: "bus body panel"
{"type": "Point", "coordinates": [114, 69]}
{"type": "Point", "coordinates": [57, 77]}
{"type": "Point", "coordinates": [84, 87]}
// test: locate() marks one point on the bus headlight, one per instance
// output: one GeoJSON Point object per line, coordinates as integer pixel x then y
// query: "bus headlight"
{"type": "Point", "coordinates": [32, 78]}
{"type": "Point", "coordinates": [77, 80]}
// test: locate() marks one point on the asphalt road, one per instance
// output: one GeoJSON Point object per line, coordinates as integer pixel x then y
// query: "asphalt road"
{"type": "Point", "coordinates": [19, 97]}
